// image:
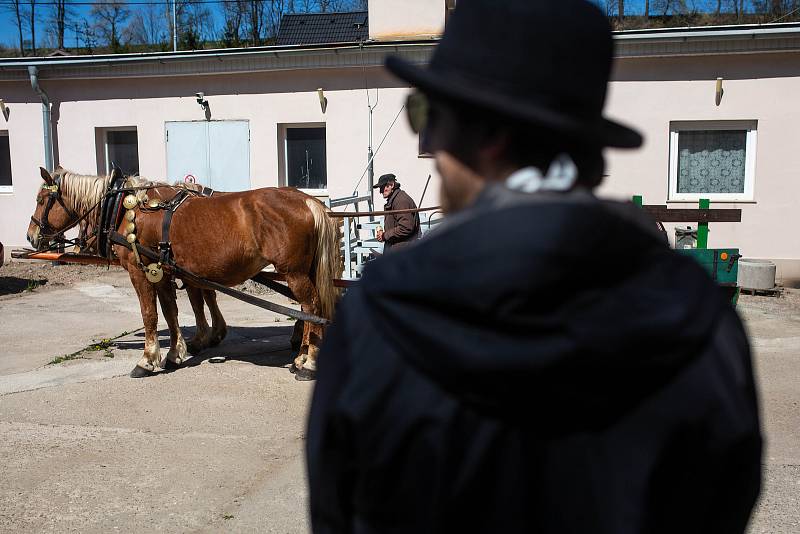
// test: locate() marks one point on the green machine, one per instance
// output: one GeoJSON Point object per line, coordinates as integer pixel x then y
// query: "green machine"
{"type": "Point", "coordinates": [722, 264]}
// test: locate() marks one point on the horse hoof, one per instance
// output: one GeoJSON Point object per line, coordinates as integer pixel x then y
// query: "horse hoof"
{"type": "Point", "coordinates": [169, 365]}
{"type": "Point", "coordinates": [193, 349]}
{"type": "Point", "coordinates": [141, 372]}
{"type": "Point", "coordinates": [217, 339]}
{"type": "Point", "coordinates": [304, 375]}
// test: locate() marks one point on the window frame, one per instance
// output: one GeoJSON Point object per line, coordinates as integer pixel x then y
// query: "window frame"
{"type": "Point", "coordinates": [106, 129]}
{"type": "Point", "coordinates": [283, 145]}
{"type": "Point", "coordinates": [8, 189]}
{"type": "Point", "coordinates": [749, 126]}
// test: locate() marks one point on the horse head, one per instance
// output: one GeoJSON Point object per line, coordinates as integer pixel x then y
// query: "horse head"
{"type": "Point", "coordinates": [51, 217]}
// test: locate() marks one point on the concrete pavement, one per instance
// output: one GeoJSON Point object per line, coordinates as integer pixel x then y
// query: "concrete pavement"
{"type": "Point", "coordinates": [212, 447]}
{"type": "Point", "coordinates": [219, 447]}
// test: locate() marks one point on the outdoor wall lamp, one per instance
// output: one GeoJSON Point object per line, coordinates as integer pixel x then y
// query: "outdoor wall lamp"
{"type": "Point", "coordinates": [323, 101]}
{"type": "Point", "coordinates": [720, 91]}
{"type": "Point", "coordinates": [202, 100]}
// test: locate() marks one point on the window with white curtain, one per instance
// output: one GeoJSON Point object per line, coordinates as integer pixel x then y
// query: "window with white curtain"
{"type": "Point", "coordinates": [712, 159]}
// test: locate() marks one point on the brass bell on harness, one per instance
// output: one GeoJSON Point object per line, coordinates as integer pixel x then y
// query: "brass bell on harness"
{"type": "Point", "coordinates": [131, 238]}
{"type": "Point", "coordinates": [130, 202]}
{"type": "Point", "coordinates": [154, 273]}
{"type": "Point", "coordinates": [153, 203]}
{"type": "Point", "coordinates": [130, 215]}
{"type": "Point", "coordinates": [129, 228]}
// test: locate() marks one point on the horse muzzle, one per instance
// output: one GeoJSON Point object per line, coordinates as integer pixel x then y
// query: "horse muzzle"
{"type": "Point", "coordinates": [34, 238]}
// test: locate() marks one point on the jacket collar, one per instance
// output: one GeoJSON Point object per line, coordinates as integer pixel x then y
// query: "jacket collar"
{"type": "Point", "coordinates": [390, 200]}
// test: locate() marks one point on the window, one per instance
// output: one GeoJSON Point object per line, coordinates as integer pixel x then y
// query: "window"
{"type": "Point", "coordinates": [714, 160]}
{"type": "Point", "coordinates": [6, 185]}
{"type": "Point", "coordinates": [121, 149]}
{"type": "Point", "coordinates": [305, 157]}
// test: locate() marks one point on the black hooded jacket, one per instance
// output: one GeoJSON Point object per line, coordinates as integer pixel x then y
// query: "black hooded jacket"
{"type": "Point", "coordinates": [542, 363]}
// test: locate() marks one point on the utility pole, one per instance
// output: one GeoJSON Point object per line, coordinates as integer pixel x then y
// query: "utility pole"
{"type": "Point", "coordinates": [174, 27]}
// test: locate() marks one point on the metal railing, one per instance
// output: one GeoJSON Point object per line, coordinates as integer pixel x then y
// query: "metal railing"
{"type": "Point", "coordinates": [359, 240]}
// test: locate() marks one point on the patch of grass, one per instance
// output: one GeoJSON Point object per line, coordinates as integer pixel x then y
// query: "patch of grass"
{"type": "Point", "coordinates": [67, 357]}
{"type": "Point", "coordinates": [227, 516]}
{"type": "Point", "coordinates": [32, 285]}
{"type": "Point", "coordinates": [104, 345]}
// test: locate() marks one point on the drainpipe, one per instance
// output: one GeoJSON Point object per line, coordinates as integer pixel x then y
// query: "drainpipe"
{"type": "Point", "coordinates": [48, 143]}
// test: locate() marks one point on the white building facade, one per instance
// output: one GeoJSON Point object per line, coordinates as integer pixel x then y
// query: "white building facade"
{"type": "Point", "coordinates": [266, 122]}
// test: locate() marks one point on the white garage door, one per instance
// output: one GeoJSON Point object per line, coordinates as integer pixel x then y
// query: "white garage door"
{"type": "Point", "coordinates": [215, 153]}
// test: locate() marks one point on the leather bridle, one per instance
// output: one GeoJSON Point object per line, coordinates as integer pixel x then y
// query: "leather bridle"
{"type": "Point", "coordinates": [46, 231]}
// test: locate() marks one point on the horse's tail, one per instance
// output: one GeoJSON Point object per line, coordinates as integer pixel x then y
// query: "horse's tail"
{"type": "Point", "coordinates": [327, 260]}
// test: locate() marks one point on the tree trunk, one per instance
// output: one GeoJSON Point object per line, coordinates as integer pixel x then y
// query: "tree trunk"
{"type": "Point", "coordinates": [33, 26]}
{"type": "Point", "coordinates": [647, 9]}
{"type": "Point", "coordinates": [621, 11]}
{"type": "Point", "coordinates": [18, 14]}
{"type": "Point", "coordinates": [61, 9]}
{"type": "Point", "coordinates": [719, 8]}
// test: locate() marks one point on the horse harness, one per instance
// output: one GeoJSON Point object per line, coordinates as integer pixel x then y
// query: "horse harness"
{"type": "Point", "coordinates": [111, 206]}
{"type": "Point", "coordinates": [154, 271]}
{"type": "Point", "coordinates": [54, 196]}
{"type": "Point", "coordinates": [117, 203]}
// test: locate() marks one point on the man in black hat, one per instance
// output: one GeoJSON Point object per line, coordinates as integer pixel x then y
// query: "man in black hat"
{"type": "Point", "coordinates": [402, 228]}
{"type": "Point", "coordinates": [543, 362]}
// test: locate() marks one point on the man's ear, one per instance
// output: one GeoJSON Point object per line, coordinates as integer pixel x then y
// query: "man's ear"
{"type": "Point", "coordinates": [46, 176]}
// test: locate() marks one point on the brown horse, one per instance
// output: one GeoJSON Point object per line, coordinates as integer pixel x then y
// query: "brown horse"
{"type": "Point", "coordinates": [226, 238]}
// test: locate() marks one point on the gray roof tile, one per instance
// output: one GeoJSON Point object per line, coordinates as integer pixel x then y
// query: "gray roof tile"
{"type": "Point", "coordinates": [319, 28]}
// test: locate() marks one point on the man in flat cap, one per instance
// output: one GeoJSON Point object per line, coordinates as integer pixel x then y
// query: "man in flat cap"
{"type": "Point", "coordinates": [401, 228]}
{"type": "Point", "coordinates": [543, 362]}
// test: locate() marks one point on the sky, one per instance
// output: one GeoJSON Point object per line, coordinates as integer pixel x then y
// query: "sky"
{"type": "Point", "coordinates": [8, 30]}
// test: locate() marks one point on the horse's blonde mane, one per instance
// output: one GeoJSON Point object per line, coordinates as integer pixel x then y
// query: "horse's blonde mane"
{"type": "Point", "coordinates": [81, 192]}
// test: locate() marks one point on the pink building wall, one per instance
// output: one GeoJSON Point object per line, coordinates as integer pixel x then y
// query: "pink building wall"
{"type": "Point", "coordinates": [646, 93]}
{"type": "Point", "coordinates": [649, 93]}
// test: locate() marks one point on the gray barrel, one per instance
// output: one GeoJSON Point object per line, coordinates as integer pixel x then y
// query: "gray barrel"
{"type": "Point", "coordinates": [756, 274]}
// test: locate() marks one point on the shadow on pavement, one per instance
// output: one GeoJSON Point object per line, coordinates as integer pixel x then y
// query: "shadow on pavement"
{"type": "Point", "coordinates": [261, 345]}
{"type": "Point", "coordinates": [11, 285]}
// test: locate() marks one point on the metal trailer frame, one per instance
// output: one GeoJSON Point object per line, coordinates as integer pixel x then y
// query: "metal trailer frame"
{"type": "Point", "coordinates": [722, 264]}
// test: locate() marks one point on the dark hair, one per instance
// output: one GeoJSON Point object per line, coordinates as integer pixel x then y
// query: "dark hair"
{"type": "Point", "coordinates": [527, 144]}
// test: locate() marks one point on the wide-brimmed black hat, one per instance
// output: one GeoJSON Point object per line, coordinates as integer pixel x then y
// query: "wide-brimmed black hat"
{"type": "Point", "coordinates": [543, 62]}
{"type": "Point", "coordinates": [383, 180]}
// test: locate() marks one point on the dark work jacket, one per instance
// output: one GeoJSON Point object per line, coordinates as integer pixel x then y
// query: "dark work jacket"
{"type": "Point", "coordinates": [401, 229]}
{"type": "Point", "coordinates": [542, 363]}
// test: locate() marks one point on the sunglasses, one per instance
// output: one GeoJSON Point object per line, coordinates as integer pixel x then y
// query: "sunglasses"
{"type": "Point", "coordinates": [418, 109]}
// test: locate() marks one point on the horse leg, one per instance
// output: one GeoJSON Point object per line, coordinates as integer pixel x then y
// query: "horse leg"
{"type": "Point", "coordinates": [306, 294]}
{"type": "Point", "coordinates": [147, 302]}
{"type": "Point", "coordinates": [297, 335]}
{"type": "Point", "coordinates": [218, 327]}
{"type": "Point", "coordinates": [169, 306]}
{"type": "Point", "coordinates": [201, 339]}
